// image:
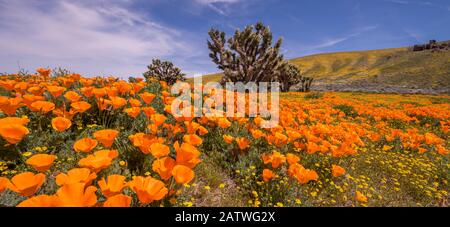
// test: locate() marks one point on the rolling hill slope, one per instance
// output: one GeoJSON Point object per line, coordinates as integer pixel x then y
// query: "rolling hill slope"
{"type": "Point", "coordinates": [384, 70]}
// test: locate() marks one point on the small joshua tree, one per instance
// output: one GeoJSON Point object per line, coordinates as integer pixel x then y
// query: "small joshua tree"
{"type": "Point", "coordinates": [290, 76]}
{"type": "Point", "coordinates": [164, 71]}
{"type": "Point", "coordinates": [249, 55]}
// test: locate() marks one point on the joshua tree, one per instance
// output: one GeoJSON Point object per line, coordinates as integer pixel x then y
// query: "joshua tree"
{"type": "Point", "coordinates": [165, 71]}
{"type": "Point", "coordinates": [290, 76]}
{"type": "Point", "coordinates": [249, 55]}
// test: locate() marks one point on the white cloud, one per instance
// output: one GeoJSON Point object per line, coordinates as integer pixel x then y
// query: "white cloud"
{"type": "Point", "coordinates": [333, 41]}
{"type": "Point", "coordinates": [219, 6]}
{"type": "Point", "coordinates": [86, 38]}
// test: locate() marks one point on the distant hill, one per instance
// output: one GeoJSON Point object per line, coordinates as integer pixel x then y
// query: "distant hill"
{"type": "Point", "coordinates": [385, 70]}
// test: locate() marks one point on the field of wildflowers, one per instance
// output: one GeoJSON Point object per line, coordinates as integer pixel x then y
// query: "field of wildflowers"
{"type": "Point", "coordinates": [75, 141]}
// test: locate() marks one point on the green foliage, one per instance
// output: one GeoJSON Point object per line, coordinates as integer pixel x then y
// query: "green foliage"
{"type": "Point", "coordinates": [164, 71]}
{"type": "Point", "coordinates": [249, 55]}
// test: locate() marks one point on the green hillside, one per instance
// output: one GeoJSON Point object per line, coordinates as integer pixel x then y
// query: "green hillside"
{"type": "Point", "coordinates": [399, 67]}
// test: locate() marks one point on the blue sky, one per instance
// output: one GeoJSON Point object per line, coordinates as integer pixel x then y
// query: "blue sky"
{"type": "Point", "coordinates": [120, 37]}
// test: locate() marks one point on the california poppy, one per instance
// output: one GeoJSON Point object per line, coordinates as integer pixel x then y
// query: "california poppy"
{"type": "Point", "coordinates": [113, 185]}
{"type": "Point", "coordinates": [147, 97]}
{"type": "Point", "coordinates": [77, 175]}
{"type": "Point", "coordinates": [14, 120]}
{"type": "Point", "coordinates": [118, 102]}
{"type": "Point", "coordinates": [134, 102]}
{"type": "Point", "coordinates": [223, 122]}
{"type": "Point", "coordinates": [106, 136]}
{"type": "Point", "coordinates": [182, 174]}
{"type": "Point", "coordinates": [40, 201]}
{"type": "Point", "coordinates": [41, 162]}
{"type": "Point", "coordinates": [148, 189]}
{"type": "Point", "coordinates": [42, 106]}
{"type": "Point", "coordinates": [119, 200]}
{"type": "Point", "coordinates": [276, 159]}
{"type": "Point", "coordinates": [60, 124]}
{"type": "Point", "coordinates": [159, 150]}
{"type": "Point", "coordinates": [242, 142]}
{"type": "Point", "coordinates": [267, 175]}
{"type": "Point", "coordinates": [56, 91]}
{"type": "Point", "coordinates": [26, 183]}
{"type": "Point", "coordinates": [80, 106]}
{"type": "Point", "coordinates": [133, 111]}
{"type": "Point", "coordinates": [13, 133]}
{"type": "Point", "coordinates": [228, 139]}
{"type": "Point", "coordinates": [163, 166]}
{"type": "Point", "coordinates": [72, 96]}
{"type": "Point", "coordinates": [76, 195]}
{"type": "Point", "coordinates": [85, 145]}
{"type": "Point", "coordinates": [292, 158]}
{"type": "Point", "coordinates": [187, 155]}
{"type": "Point", "coordinates": [158, 119]}
{"type": "Point", "coordinates": [3, 183]}
{"type": "Point", "coordinates": [99, 160]}
{"type": "Point", "coordinates": [337, 170]}
{"type": "Point", "coordinates": [360, 197]}
{"type": "Point", "coordinates": [192, 139]}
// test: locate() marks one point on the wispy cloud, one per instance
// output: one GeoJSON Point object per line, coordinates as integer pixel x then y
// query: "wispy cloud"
{"type": "Point", "coordinates": [88, 38]}
{"type": "Point", "coordinates": [336, 40]}
{"type": "Point", "coordinates": [219, 6]}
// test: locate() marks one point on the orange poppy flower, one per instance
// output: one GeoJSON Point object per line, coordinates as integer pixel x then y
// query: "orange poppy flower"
{"type": "Point", "coordinates": [10, 105]}
{"type": "Point", "coordinates": [14, 120]}
{"type": "Point", "coordinates": [276, 158]}
{"type": "Point", "coordinates": [163, 167]}
{"type": "Point", "coordinates": [202, 130]}
{"type": "Point", "coordinates": [119, 200]}
{"type": "Point", "coordinates": [40, 201]}
{"type": "Point", "coordinates": [87, 91]}
{"type": "Point", "coordinates": [158, 119]}
{"type": "Point", "coordinates": [192, 139]}
{"type": "Point", "coordinates": [182, 174]}
{"type": "Point", "coordinates": [76, 195]}
{"type": "Point", "coordinates": [77, 175]}
{"type": "Point", "coordinates": [103, 103]}
{"type": "Point", "coordinates": [42, 106]}
{"type": "Point", "coordinates": [29, 99]}
{"type": "Point", "coordinates": [187, 155]}
{"type": "Point", "coordinates": [134, 102]}
{"type": "Point", "coordinates": [292, 158]}
{"type": "Point", "coordinates": [148, 189]}
{"type": "Point", "coordinates": [99, 92]}
{"type": "Point", "coordinates": [85, 145]}
{"type": "Point", "coordinates": [4, 182]}
{"type": "Point", "coordinates": [228, 139]}
{"type": "Point", "coordinates": [337, 170]}
{"type": "Point", "coordinates": [148, 111]}
{"type": "Point", "coordinates": [301, 174]}
{"type": "Point", "coordinates": [72, 96]}
{"type": "Point", "coordinates": [267, 175]}
{"type": "Point", "coordinates": [113, 186]}
{"type": "Point", "coordinates": [242, 142]}
{"type": "Point", "coordinates": [56, 91]}
{"type": "Point", "coordinates": [99, 160]}
{"type": "Point", "coordinates": [41, 162]}
{"type": "Point", "coordinates": [256, 133]}
{"type": "Point", "coordinates": [80, 106]}
{"type": "Point", "coordinates": [360, 197]}
{"type": "Point", "coordinates": [159, 150]}
{"type": "Point", "coordinates": [43, 72]}
{"type": "Point", "coordinates": [26, 183]}
{"type": "Point", "coordinates": [106, 136]}
{"type": "Point", "coordinates": [118, 102]}
{"type": "Point", "coordinates": [223, 122]}
{"type": "Point", "coordinates": [133, 111]}
{"type": "Point", "coordinates": [60, 124]}
{"type": "Point", "coordinates": [13, 133]}
{"type": "Point", "coordinates": [147, 97]}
